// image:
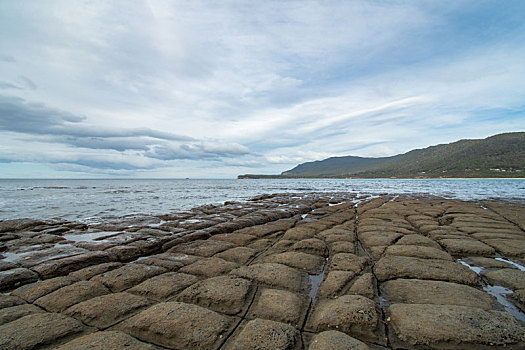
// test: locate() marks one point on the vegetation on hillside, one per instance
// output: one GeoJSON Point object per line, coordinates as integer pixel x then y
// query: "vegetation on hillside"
{"type": "Point", "coordinates": [501, 155]}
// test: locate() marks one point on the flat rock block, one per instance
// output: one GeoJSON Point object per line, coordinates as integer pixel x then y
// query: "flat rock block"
{"type": "Point", "coordinates": [279, 305]}
{"type": "Point", "coordinates": [449, 326]}
{"type": "Point", "coordinates": [413, 291]}
{"type": "Point", "coordinates": [226, 294]}
{"type": "Point", "coordinates": [205, 248]}
{"type": "Point", "coordinates": [418, 240]}
{"type": "Point", "coordinates": [374, 238]}
{"type": "Point", "coordinates": [184, 259]}
{"type": "Point", "coordinates": [38, 256]}
{"type": "Point", "coordinates": [519, 296]}
{"type": "Point", "coordinates": [273, 275]}
{"type": "Point", "coordinates": [487, 262]}
{"type": "Point", "coordinates": [6, 265]}
{"type": "Point", "coordinates": [260, 244]}
{"type": "Point", "coordinates": [335, 282]}
{"type": "Point", "coordinates": [209, 267]}
{"type": "Point", "coordinates": [33, 291]}
{"type": "Point", "coordinates": [178, 326]}
{"type": "Point", "coordinates": [37, 329]}
{"type": "Point", "coordinates": [342, 247]}
{"type": "Point", "coordinates": [10, 300]}
{"type": "Point", "coordinates": [466, 247]}
{"type": "Point", "coordinates": [73, 263]}
{"type": "Point", "coordinates": [235, 238]}
{"type": "Point", "coordinates": [418, 252]}
{"type": "Point", "coordinates": [239, 255]}
{"type": "Point", "coordinates": [510, 278]}
{"type": "Point", "coordinates": [282, 245]}
{"type": "Point", "coordinates": [16, 277]}
{"type": "Point", "coordinates": [164, 286]}
{"type": "Point", "coordinates": [351, 314]}
{"type": "Point", "coordinates": [107, 340]}
{"type": "Point", "coordinates": [128, 276]}
{"type": "Point", "coordinates": [106, 310]}
{"type": "Point", "coordinates": [307, 262]}
{"type": "Point", "coordinates": [166, 264]}
{"type": "Point", "coordinates": [266, 335]}
{"type": "Point", "coordinates": [509, 247]}
{"type": "Point", "coordinates": [390, 267]}
{"type": "Point", "coordinates": [299, 233]}
{"type": "Point", "coordinates": [334, 340]}
{"type": "Point", "coordinates": [364, 285]}
{"type": "Point", "coordinates": [125, 252]}
{"type": "Point", "coordinates": [311, 246]}
{"type": "Point", "coordinates": [91, 271]}
{"type": "Point", "coordinates": [347, 262]}
{"type": "Point", "coordinates": [67, 296]}
{"type": "Point", "coordinates": [338, 233]}
{"type": "Point", "coordinates": [15, 312]}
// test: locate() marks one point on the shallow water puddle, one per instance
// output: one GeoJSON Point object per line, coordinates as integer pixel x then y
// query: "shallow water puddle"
{"type": "Point", "coordinates": [190, 221]}
{"type": "Point", "coordinates": [383, 302]}
{"type": "Point", "coordinates": [13, 257]}
{"type": "Point", "coordinates": [520, 267]}
{"type": "Point", "coordinates": [315, 281]}
{"type": "Point", "coordinates": [499, 293]}
{"type": "Point", "coordinates": [332, 204]}
{"type": "Point", "coordinates": [476, 269]}
{"type": "Point", "coordinates": [86, 237]}
{"type": "Point", "coordinates": [157, 224]}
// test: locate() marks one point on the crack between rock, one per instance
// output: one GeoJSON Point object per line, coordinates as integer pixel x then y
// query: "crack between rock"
{"type": "Point", "coordinates": [385, 332]}
{"type": "Point", "coordinates": [241, 319]}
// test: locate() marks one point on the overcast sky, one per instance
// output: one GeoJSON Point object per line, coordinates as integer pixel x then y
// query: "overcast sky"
{"type": "Point", "coordinates": [219, 88]}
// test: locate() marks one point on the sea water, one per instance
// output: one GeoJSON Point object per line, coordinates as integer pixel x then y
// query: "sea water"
{"type": "Point", "coordinates": [100, 200]}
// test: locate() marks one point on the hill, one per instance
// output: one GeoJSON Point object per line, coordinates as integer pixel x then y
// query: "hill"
{"type": "Point", "coordinates": [335, 166]}
{"type": "Point", "coordinates": [501, 155]}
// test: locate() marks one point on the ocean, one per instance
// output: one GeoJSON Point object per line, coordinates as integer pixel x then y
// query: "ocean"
{"type": "Point", "coordinates": [103, 199]}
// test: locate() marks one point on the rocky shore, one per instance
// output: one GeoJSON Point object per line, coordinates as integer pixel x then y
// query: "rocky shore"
{"type": "Point", "coordinates": [284, 271]}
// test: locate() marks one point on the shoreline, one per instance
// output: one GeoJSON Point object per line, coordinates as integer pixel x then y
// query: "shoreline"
{"type": "Point", "coordinates": [90, 200]}
{"type": "Point", "coordinates": [279, 177]}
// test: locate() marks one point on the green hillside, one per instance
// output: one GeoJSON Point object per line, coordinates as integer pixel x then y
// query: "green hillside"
{"type": "Point", "coordinates": [335, 166]}
{"type": "Point", "coordinates": [501, 155]}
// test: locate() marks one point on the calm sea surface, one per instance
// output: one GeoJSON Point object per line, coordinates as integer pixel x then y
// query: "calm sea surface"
{"type": "Point", "coordinates": [98, 200]}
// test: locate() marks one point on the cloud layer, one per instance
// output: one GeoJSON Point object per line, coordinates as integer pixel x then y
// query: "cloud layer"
{"type": "Point", "coordinates": [204, 89]}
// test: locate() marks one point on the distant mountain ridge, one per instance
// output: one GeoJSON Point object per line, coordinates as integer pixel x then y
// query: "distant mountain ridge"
{"type": "Point", "coordinates": [335, 166]}
{"type": "Point", "coordinates": [501, 155]}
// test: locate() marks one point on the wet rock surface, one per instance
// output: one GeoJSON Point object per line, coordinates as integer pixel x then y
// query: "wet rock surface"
{"type": "Point", "coordinates": [285, 271]}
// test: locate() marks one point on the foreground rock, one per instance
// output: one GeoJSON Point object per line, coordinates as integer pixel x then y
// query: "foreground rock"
{"type": "Point", "coordinates": [413, 291]}
{"type": "Point", "coordinates": [290, 271]}
{"type": "Point", "coordinates": [109, 340]}
{"type": "Point", "coordinates": [37, 329]}
{"type": "Point", "coordinates": [446, 326]}
{"type": "Point", "coordinates": [334, 340]}
{"type": "Point", "coordinates": [178, 326]}
{"type": "Point", "coordinates": [264, 334]}
{"type": "Point", "coordinates": [351, 314]}
{"type": "Point", "coordinates": [391, 267]}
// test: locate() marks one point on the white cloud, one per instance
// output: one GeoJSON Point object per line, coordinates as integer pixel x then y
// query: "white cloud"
{"type": "Point", "coordinates": [239, 84]}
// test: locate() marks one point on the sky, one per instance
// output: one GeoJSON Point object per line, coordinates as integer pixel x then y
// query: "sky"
{"type": "Point", "coordinates": [213, 89]}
